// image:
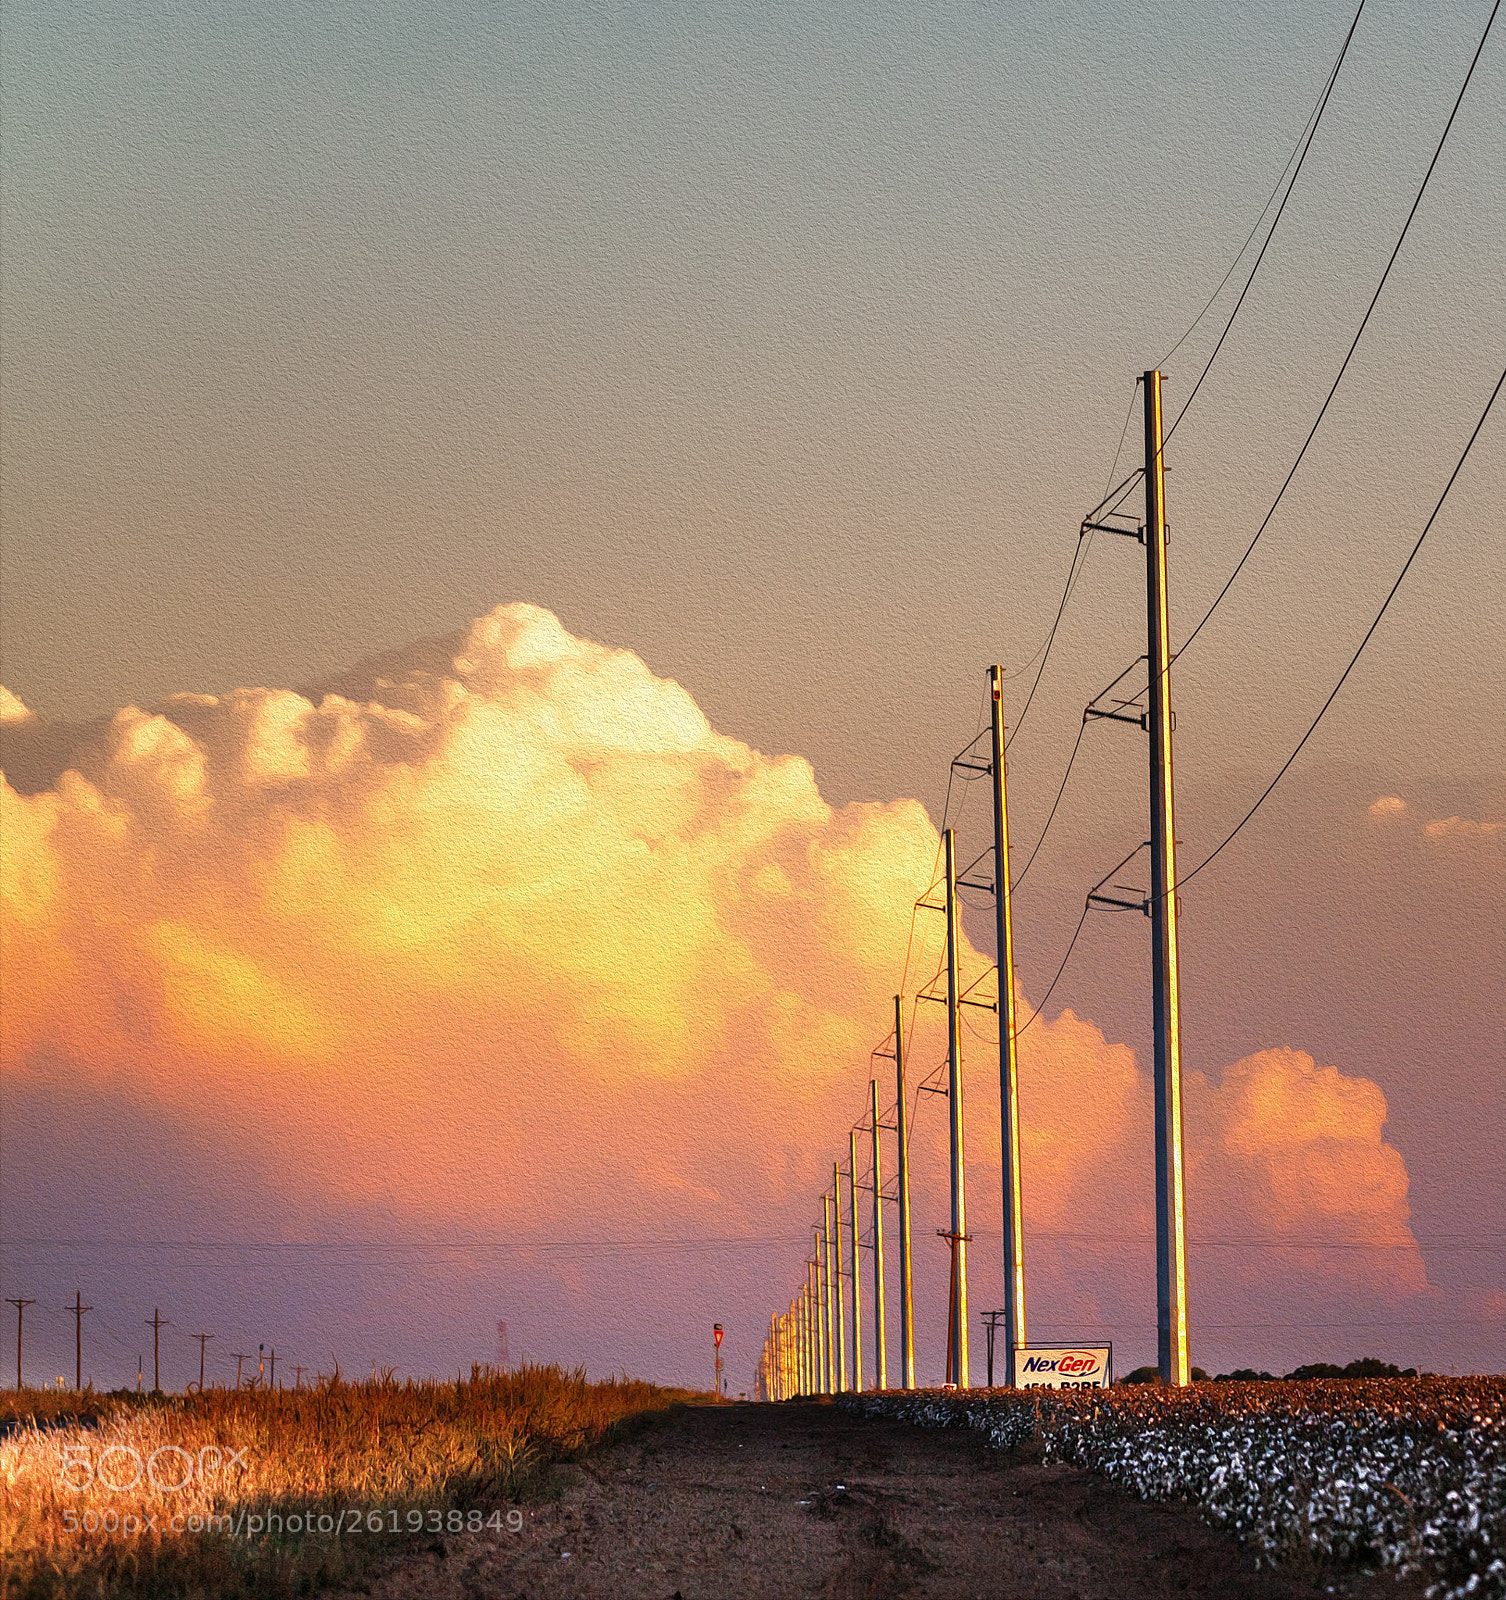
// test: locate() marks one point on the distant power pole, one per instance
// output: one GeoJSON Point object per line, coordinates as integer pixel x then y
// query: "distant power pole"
{"type": "Point", "coordinates": [203, 1339]}
{"type": "Point", "coordinates": [812, 1329]}
{"type": "Point", "coordinates": [1009, 1072]}
{"type": "Point", "coordinates": [20, 1306]}
{"type": "Point", "coordinates": [78, 1308]}
{"type": "Point", "coordinates": [991, 1320]}
{"type": "Point", "coordinates": [1171, 1223]}
{"type": "Point", "coordinates": [857, 1276]}
{"type": "Point", "coordinates": [835, 1243]}
{"type": "Point", "coordinates": [881, 1364]}
{"type": "Point", "coordinates": [240, 1359]}
{"type": "Point", "coordinates": [957, 1331]}
{"type": "Point", "coordinates": [298, 1373]}
{"type": "Point", "coordinates": [157, 1322]}
{"type": "Point", "coordinates": [906, 1299]}
{"type": "Point", "coordinates": [272, 1368]}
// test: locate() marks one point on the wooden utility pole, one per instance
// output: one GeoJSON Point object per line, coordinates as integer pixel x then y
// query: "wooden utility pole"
{"type": "Point", "coordinates": [906, 1299]}
{"type": "Point", "coordinates": [1171, 1225]}
{"type": "Point", "coordinates": [78, 1308]}
{"type": "Point", "coordinates": [957, 1237]}
{"type": "Point", "coordinates": [1009, 1072]}
{"type": "Point", "coordinates": [20, 1306]}
{"type": "Point", "coordinates": [203, 1339]}
{"type": "Point", "coordinates": [298, 1373]}
{"type": "Point", "coordinates": [157, 1322]}
{"type": "Point", "coordinates": [240, 1359]}
{"type": "Point", "coordinates": [880, 1357]}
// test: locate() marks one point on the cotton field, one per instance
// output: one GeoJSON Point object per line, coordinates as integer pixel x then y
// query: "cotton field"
{"type": "Point", "coordinates": [1403, 1473]}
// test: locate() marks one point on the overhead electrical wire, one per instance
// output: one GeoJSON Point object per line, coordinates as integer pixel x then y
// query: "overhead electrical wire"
{"type": "Point", "coordinates": [1369, 634]}
{"type": "Point", "coordinates": [1304, 144]}
{"type": "Point", "coordinates": [1354, 344]}
{"type": "Point", "coordinates": [1285, 766]}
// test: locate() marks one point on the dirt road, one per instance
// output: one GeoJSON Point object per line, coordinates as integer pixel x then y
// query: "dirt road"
{"type": "Point", "coordinates": [753, 1502]}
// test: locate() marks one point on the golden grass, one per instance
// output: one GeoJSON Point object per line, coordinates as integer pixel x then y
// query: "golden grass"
{"type": "Point", "coordinates": [73, 1521]}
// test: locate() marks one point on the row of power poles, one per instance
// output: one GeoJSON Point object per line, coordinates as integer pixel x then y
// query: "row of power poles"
{"type": "Point", "coordinates": [156, 1322]}
{"type": "Point", "coordinates": [807, 1348]}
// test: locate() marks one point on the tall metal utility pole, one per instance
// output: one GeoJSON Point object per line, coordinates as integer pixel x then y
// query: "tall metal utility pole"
{"type": "Point", "coordinates": [857, 1276]}
{"type": "Point", "coordinates": [20, 1306]}
{"type": "Point", "coordinates": [880, 1356]}
{"type": "Point", "coordinates": [818, 1315]}
{"type": "Point", "coordinates": [836, 1244]}
{"type": "Point", "coordinates": [906, 1299]}
{"type": "Point", "coordinates": [1171, 1231]}
{"type": "Point", "coordinates": [957, 1237]}
{"type": "Point", "coordinates": [78, 1308]}
{"type": "Point", "coordinates": [1009, 1069]}
{"type": "Point", "coordinates": [157, 1322]}
{"type": "Point", "coordinates": [829, 1376]}
{"type": "Point", "coordinates": [800, 1350]}
{"type": "Point", "coordinates": [203, 1339]}
{"type": "Point", "coordinates": [813, 1327]}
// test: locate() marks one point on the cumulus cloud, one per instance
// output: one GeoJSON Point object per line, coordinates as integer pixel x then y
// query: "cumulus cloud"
{"type": "Point", "coordinates": [519, 944]}
{"type": "Point", "coordinates": [1462, 828]}
{"type": "Point", "coordinates": [1390, 805]}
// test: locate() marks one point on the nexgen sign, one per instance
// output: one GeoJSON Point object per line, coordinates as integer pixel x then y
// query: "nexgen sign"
{"type": "Point", "coordinates": [1075, 1367]}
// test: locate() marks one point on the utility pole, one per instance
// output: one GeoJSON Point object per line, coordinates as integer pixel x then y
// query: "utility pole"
{"type": "Point", "coordinates": [203, 1339]}
{"type": "Point", "coordinates": [812, 1328]}
{"type": "Point", "coordinates": [1171, 1226]}
{"type": "Point", "coordinates": [20, 1306]}
{"type": "Point", "coordinates": [157, 1322]}
{"type": "Point", "coordinates": [991, 1320]}
{"type": "Point", "coordinates": [880, 1358]}
{"type": "Point", "coordinates": [239, 1359]}
{"type": "Point", "coordinates": [298, 1373]}
{"type": "Point", "coordinates": [857, 1276]}
{"type": "Point", "coordinates": [957, 1333]}
{"type": "Point", "coordinates": [828, 1322]}
{"type": "Point", "coordinates": [78, 1308]}
{"type": "Point", "coordinates": [272, 1370]}
{"type": "Point", "coordinates": [1009, 1073]}
{"type": "Point", "coordinates": [906, 1299]}
{"type": "Point", "coordinates": [839, 1370]}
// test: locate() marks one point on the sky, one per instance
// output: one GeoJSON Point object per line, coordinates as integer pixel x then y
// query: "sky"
{"type": "Point", "coordinates": [724, 388]}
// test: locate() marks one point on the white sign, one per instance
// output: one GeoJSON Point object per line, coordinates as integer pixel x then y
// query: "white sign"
{"type": "Point", "coordinates": [1063, 1367]}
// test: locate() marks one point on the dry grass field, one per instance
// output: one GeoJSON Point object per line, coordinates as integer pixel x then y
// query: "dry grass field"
{"type": "Point", "coordinates": [283, 1493]}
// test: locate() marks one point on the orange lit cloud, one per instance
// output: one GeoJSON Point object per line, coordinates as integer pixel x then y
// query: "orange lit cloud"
{"type": "Point", "coordinates": [503, 945]}
{"type": "Point", "coordinates": [1390, 805]}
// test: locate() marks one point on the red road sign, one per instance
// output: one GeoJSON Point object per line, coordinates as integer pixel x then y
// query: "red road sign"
{"type": "Point", "coordinates": [716, 1331]}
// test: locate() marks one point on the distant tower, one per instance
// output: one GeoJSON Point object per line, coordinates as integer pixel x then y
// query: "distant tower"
{"type": "Point", "coordinates": [502, 1358]}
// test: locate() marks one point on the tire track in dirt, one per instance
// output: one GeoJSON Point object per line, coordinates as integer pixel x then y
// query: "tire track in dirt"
{"type": "Point", "coordinates": [765, 1502]}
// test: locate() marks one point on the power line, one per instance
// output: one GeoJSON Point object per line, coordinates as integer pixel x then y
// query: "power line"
{"type": "Point", "coordinates": [314, 1245]}
{"type": "Point", "coordinates": [1072, 945]}
{"type": "Point", "coordinates": [1051, 817]}
{"type": "Point", "coordinates": [1354, 345]}
{"type": "Point", "coordinates": [1304, 144]}
{"type": "Point", "coordinates": [1369, 632]}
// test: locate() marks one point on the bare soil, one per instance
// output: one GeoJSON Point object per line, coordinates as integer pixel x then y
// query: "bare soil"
{"type": "Point", "coordinates": [753, 1502]}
